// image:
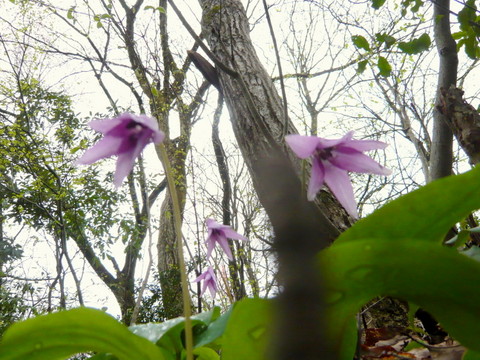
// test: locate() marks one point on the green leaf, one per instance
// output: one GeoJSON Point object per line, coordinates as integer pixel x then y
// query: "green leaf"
{"type": "Point", "coordinates": [416, 46]}
{"type": "Point", "coordinates": [70, 13]}
{"type": "Point", "coordinates": [466, 15]}
{"type": "Point", "coordinates": [384, 66]}
{"type": "Point", "coordinates": [169, 334]}
{"type": "Point", "coordinates": [471, 355]}
{"type": "Point", "coordinates": [63, 334]}
{"type": "Point", "coordinates": [246, 336]}
{"type": "Point", "coordinates": [360, 42]}
{"type": "Point", "coordinates": [392, 253]}
{"type": "Point", "coordinates": [458, 35]}
{"type": "Point", "coordinates": [439, 205]}
{"type": "Point", "coordinates": [471, 46]}
{"type": "Point", "coordinates": [214, 331]}
{"type": "Point", "coordinates": [361, 66]}
{"type": "Point", "coordinates": [386, 39]}
{"type": "Point", "coordinates": [434, 277]}
{"type": "Point", "coordinates": [204, 353]}
{"type": "Point", "coordinates": [377, 4]}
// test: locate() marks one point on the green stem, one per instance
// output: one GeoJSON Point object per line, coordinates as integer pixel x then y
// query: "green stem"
{"type": "Point", "coordinates": [187, 310]}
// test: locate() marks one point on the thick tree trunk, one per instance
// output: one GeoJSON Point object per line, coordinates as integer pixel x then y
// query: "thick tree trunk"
{"type": "Point", "coordinates": [168, 262]}
{"type": "Point", "coordinates": [255, 107]}
{"type": "Point", "coordinates": [442, 138]}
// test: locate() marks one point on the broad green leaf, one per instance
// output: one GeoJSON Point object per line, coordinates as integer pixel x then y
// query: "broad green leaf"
{"type": "Point", "coordinates": [246, 336]}
{"type": "Point", "coordinates": [386, 39]}
{"type": "Point", "coordinates": [425, 214]}
{"type": "Point", "coordinates": [204, 353]}
{"type": "Point", "coordinates": [214, 331]}
{"type": "Point", "coordinates": [471, 46]}
{"type": "Point", "coordinates": [63, 334]}
{"type": "Point", "coordinates": [416, 46]}
{"type": "Point", "coordinates": [377, 4]}
{"type": "Point", "coordinates": [362, 65]}
{"type": "Point", "coordinates": [471, 355]}
{"type": "Point", "coordinates": [436, 278]}
{"type": "Point", "coordinates": [169, 334]}
{"type": "Point", "coordinates": [360, 42]}
{"type": "Point", "coordinates": [466, 15]}
{"type": "Point", "coordinates": [458, 35]}
{"type": "Point", "coordinates": [384, 66]}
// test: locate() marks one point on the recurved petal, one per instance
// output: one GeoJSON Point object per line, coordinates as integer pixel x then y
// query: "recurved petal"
{"type": "Point", "coordinates": [340, 185]}
{"type": "Point", "coordinates": [212, 224]}
{"type": "Point", "coordinates": [145, 120]}
{"type": "Point", "coordinates": [365, 145]}
{"type": "Point", "coordinates": [232, 234]}
{"type": "Point", "coordinates": [223, 242]}
{"type": "Point", "coordinates": [125, 164]}
{"type": "Point", "coordinates": [316, 178]}
{"type": "Point", "coordinates": [358, 162]}
{"type": "Point", "coordinates": [211, 240]}
{"type": "Point", "coordinates": [328, 143]}
{"type": "Point", "coordinates": [105, 125]}
{"type": "Point", "coordinates": [302, 146]}
{"type": "Point", "coordinates": [105, 148]}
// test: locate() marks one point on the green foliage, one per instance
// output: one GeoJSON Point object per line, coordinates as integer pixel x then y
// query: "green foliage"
{"type": "Point", "coordinates": [384, 38]}
{"type": "Point", "coordinates": [60, 335]}
{"type": "Point", "coordinates": [360, 42]}
{"type": "Point", "coordinates": [240, 331]}
{"type": "Point", "coordinates": [416, 46]}
{"type": "Point", "coordinates": [469, 30]}
{"type": "Point", "coordinates": [384, 66]}
{"type": "Point", "coordinates": [397, 251]}
{"type": "Point", "coordinates": [361, 66]}
{"type": "Point", "coordinates": [377, 4]}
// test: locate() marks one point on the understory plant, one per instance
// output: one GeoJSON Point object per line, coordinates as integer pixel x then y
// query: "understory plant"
{"type": "Point", "coordinates": [396, 251]}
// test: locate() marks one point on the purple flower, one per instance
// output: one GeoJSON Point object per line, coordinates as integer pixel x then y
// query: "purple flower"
{"type": "Point", "coordinates": [125, 136]}
{"type": "Point", "coordinates": [331, 159]}
{"type": "Point", "coordinates": [209, 281]}
{"type": "Point", "coordinates": [218, 233]}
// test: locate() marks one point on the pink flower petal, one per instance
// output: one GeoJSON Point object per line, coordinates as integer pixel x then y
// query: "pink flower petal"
{"type": "Point", "coordinates": [103, 149]}
{"type": "Point", "coordinates": [316, 178]}
{"type": "Point", "coordinates": [328, 143]}
{"type": "Point", "coordinates": [226, 248]}
{"type": "Point", "coordinates": [340, 185]}
{"type": "Point", "coordinates": [125, 163]}
{"type": "Point", "coordinates": [358, 162]}
{"type": "Point", "coordinates": [232, 234]}
{"type": "Point", "coordinates": [365, 145]}
{"type": "Point", "coordinates": [302, 146]}
{"type": "Point", "coordinates": [105, 125]}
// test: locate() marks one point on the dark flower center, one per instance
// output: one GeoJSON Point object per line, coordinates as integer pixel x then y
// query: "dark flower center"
{"type": "Point", "coordinates": [325, 154]}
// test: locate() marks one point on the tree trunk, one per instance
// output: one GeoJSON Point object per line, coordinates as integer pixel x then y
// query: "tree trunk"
{"type": "Point", "coordinates": [442, 138]}
{"type": "Point", "coordinates": [255, 107]}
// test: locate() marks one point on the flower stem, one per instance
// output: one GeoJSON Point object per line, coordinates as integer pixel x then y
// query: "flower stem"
{"type": "Point", "coordinates": [187, 310]}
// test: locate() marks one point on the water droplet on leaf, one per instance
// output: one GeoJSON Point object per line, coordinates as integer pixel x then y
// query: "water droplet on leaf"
{"type": "Point", "coordinates": [360, 273]}
{"type": "Point", "coordinates": [257, 332]}
{"type": "Point", "coordinates": [333, 297]}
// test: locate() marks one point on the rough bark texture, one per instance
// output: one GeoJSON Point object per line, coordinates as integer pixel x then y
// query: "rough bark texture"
{"type": "Point", "coordinates": [463, 119]}
{"type": "Point", "coordinates": [442, 155]}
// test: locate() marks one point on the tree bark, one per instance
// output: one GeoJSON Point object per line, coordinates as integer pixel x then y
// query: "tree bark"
{"type": "Point", "coordinates": [441, 158]}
